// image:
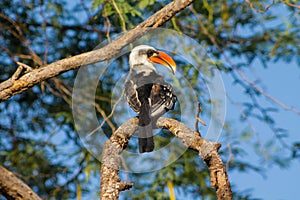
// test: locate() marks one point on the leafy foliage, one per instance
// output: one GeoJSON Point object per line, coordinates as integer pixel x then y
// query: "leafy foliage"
{"type": "Point", "coordinates": [37, 139]}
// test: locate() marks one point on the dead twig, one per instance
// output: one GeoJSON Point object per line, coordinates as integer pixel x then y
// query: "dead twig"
{"type": "Point", "coordinates": [21, 70]}
{"type": "Point", "coordinates": [198, 119]}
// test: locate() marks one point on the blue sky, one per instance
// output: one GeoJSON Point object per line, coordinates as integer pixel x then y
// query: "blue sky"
{"type": "Point", "coordinates": [281, 80]}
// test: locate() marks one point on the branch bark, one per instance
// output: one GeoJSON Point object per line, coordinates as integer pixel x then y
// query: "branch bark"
{"type": "Point", "coordinates": [13, 188]}
{"type": "Point", "coordinates": [111, 184]}
{"type": "Point", "coordinates": [48, 71]}
{"type": "Point", "coordinates": [110, 187]}
{"type": "Point", "coordinates": [207, 150]}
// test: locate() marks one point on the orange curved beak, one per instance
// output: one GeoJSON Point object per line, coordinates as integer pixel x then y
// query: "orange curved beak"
{"type": "Point", "coordinates": [165, 60]}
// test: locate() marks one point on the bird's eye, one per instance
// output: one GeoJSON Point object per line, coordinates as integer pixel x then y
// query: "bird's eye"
{"type": "Point", "coordinates": [150, 52]}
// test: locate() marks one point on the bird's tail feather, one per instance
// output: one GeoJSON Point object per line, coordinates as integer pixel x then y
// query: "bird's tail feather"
{"type": "Point", "coordinates": [146, 142]}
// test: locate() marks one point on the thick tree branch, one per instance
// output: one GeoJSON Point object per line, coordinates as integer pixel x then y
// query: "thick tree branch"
{"type": "Point", "coordinates": [110, 181]}
{"type": "Point", "coordinates": [13, 188]}
{"type": "Point", "coordinates": [208, 151]}
{"type": "Point", "coordinates": [40, 74]}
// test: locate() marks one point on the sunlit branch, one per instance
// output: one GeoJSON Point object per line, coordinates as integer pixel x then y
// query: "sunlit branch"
{"type": "Point", "coordinates": [12, 187]}
{"type": "Point", "coordinates": [208, 151]}
{"type": "Point", "coordinates": [45, 72]}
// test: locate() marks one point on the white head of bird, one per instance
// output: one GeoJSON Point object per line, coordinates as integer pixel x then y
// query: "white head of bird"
{"type": "Point", "coordinates": [142, 57]}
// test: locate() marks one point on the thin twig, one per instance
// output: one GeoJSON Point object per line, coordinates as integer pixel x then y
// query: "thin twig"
{"type": "Point", "coordinates": [198, 119]}
{"type": "Point", "coordinates": [19, 35]}
{"type": "Point", "coordinates": [260, 10]}
{"type": "Point", "coordinates": [44, 25]}
{"type": "Point", "coordinates": [261, 91]}
{"type": "Point", "coordinates": [242, 75]}
{"type": "Point", "coordinates": [107, 24]}
{"type": "Point", "coordinates": [113, 109]}
{"type": "Point", "coordinates": [17, 75]}
{"type": "Point", "coordinates": [28, 68]}
{"type": "Point", "coordinates": [288, 3]}
{"type": "Point", "coordinates": [9, 53]}
{"type": "Point", "coordinates": [107, 119]}
{"type": "Point", "coordinates": [120, 15]}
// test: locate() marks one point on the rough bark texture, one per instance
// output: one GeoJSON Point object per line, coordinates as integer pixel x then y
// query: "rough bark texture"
{"type": "Point", "coordinates": [111, 184]}
{"type": "Point", "coordinates": [208, 151]}
{"type": "Point", "coordinates": [12, 87]}
{"type": "Point", "coordinates": [13, 188]}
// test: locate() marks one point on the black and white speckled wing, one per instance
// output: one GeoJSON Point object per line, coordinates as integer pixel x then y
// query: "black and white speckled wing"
{"type": "Point", "coordinates": [163, 99]}
{"type": "Point", "coordinates": [132, 96]}
{"type": "Point", "coordinates": [152, 88]}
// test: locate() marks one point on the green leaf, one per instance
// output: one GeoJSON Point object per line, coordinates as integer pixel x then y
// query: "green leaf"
{"type": "Point", "coordinates": [145, 3]}
{"type": "Point", "coordinates": [96, 4]}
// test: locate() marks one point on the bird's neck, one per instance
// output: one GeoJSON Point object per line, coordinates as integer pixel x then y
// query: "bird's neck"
{"type": "Point", "coordinates": [142, 68]}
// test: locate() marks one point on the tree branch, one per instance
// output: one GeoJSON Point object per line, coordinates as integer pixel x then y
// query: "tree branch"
{"type": "Point", "coordinates": [13, 188]}
{"type": "Point", "coordinates": [110, 181]}
{"type": "Point", "coordinates": [208, 151]}
{"type": "Point", "coordinates": [48, 71]}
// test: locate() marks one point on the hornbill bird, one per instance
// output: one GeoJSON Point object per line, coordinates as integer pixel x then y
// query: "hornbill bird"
{"type": "Point", "coordinates": [146, 91]}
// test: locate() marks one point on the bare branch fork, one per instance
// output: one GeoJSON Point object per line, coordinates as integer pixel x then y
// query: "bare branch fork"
{"type": "Point", "coordinates": [48, 71]}
{"type": "Point", "coordinates": [111, 184]}
{"type": "Point", "coordinates": [21, 70]}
